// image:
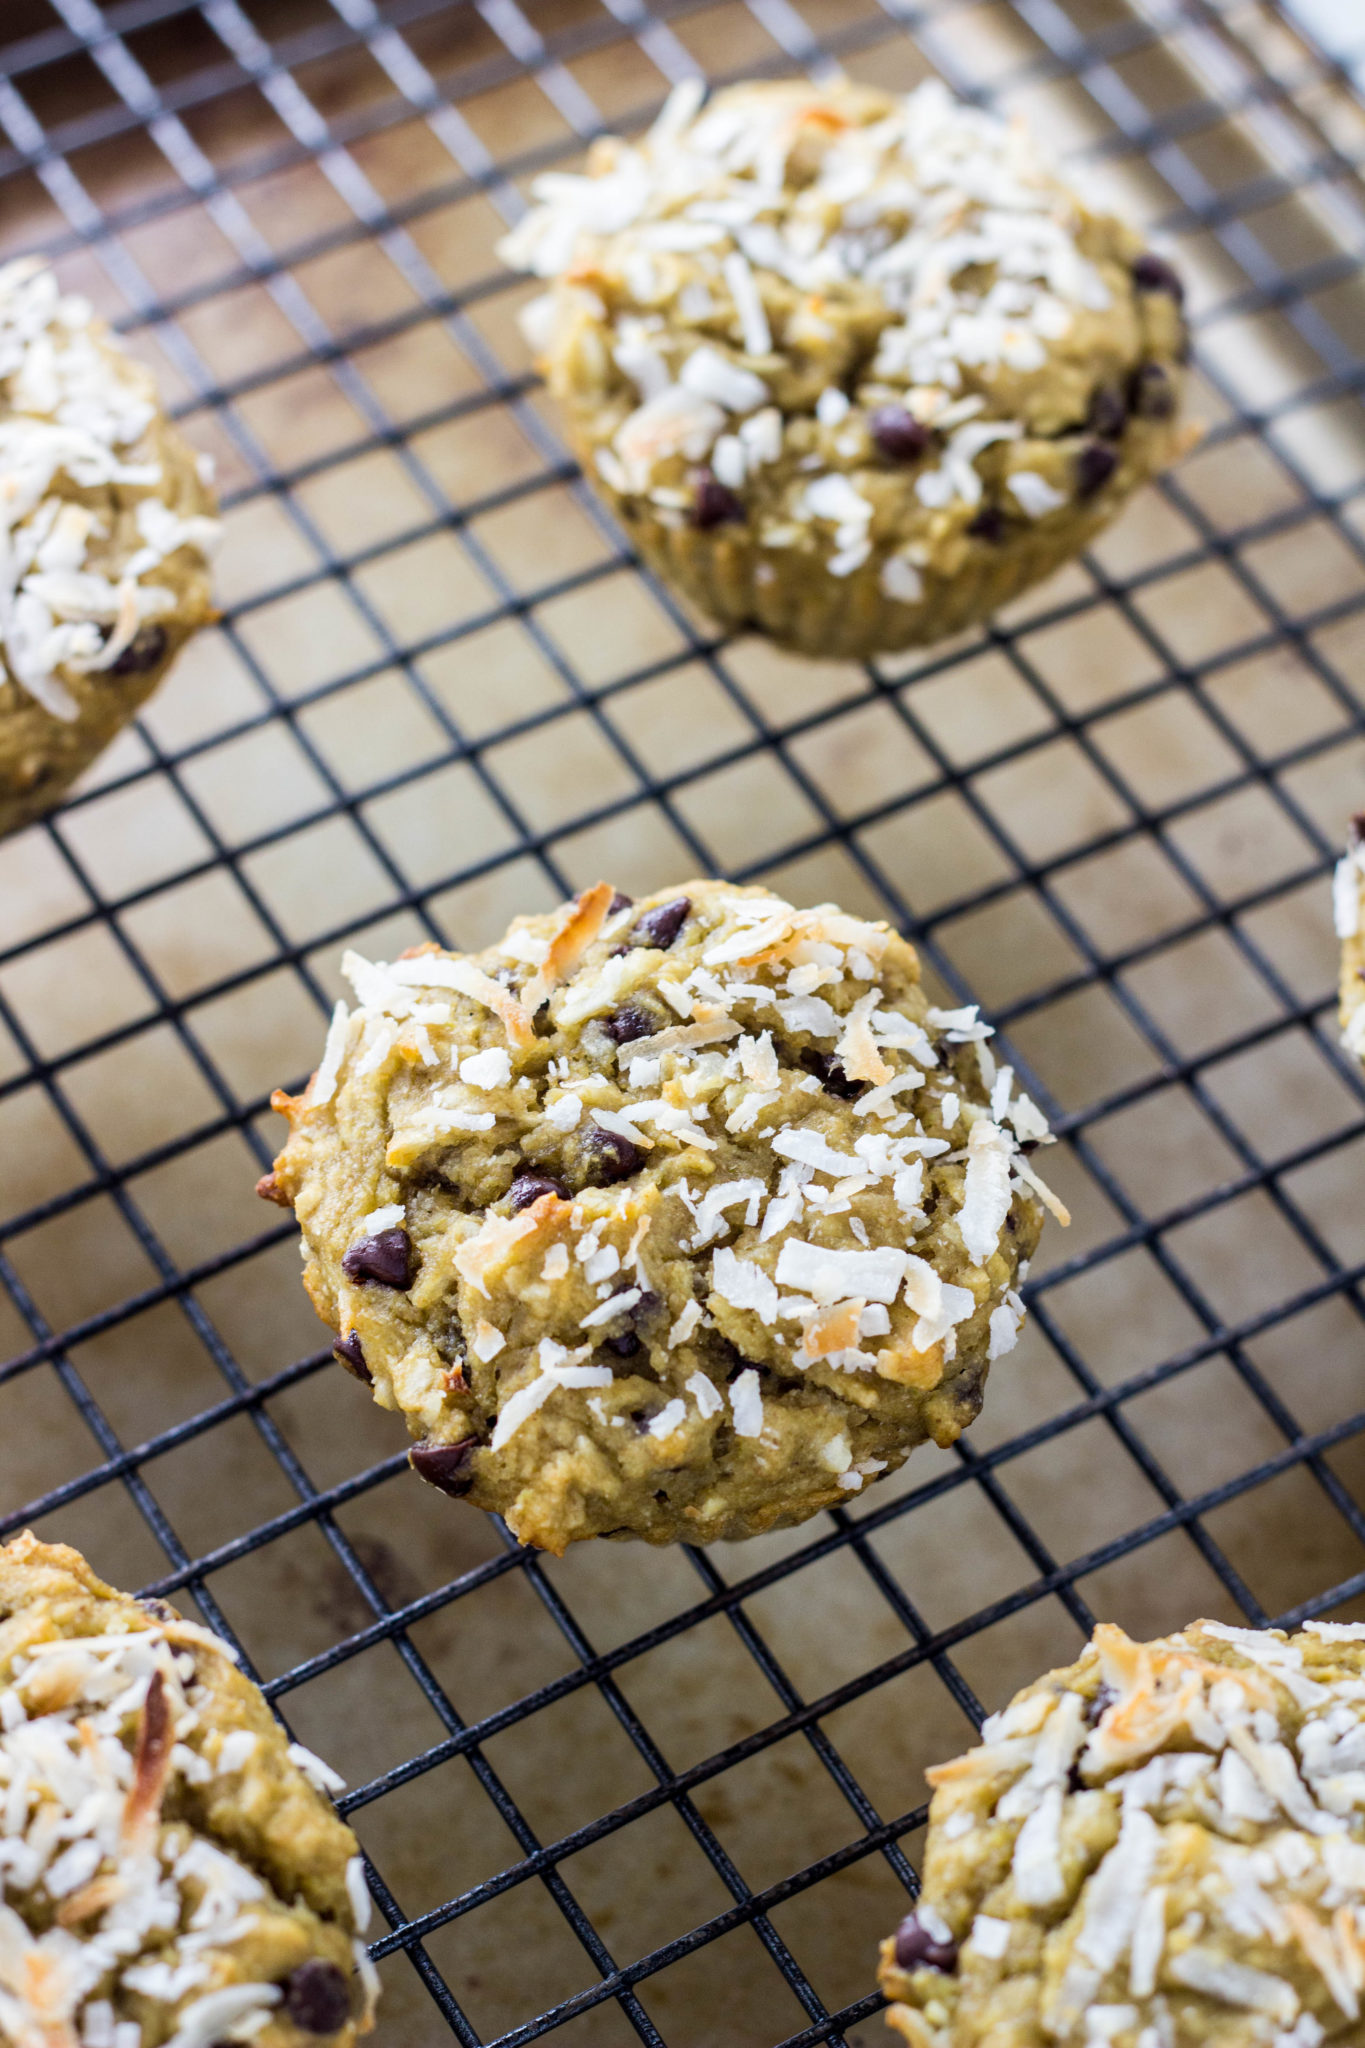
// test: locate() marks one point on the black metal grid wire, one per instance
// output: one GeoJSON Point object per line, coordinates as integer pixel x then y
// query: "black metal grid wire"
{"type": "Point", "coordinates": [163, 86]}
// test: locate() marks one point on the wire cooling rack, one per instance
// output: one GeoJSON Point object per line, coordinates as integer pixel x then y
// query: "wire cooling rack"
{"type": "Point", "coordinates": [675, 1797]}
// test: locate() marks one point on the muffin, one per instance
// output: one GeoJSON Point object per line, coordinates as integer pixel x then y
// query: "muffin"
{"type": "Point", "coordinates": [171, 1869]}
{"type": "Point", "coordinates": [851, 368]}
{"type": "Point", "coordinates": [1162, 1846]}
{"type": "Point", "coordinates": [1348, 902]}
{"type": "Point", "coordinates": [679, 1219]}
{"type": "Point", "coordinates": [105, 513]}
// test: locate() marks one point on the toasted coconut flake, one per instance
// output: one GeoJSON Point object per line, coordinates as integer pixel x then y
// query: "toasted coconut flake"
{"type": "Point", "coordinates": [1147, 1944]}
{"type": "Point", "coordinates": [450, 970]}
{"type": "Point", "coordinates": [1319, 1947]}
{"type": "Point", "coordinates": [1040, 1188]}
{"type": "Point", "coordinates": [832, 1329]}
{"type": "Point", "coordinates": [1235, 1984]}
{"type": "Point", "coordinates": [856, 1050]}
{"type": "Point", "coordinates": [575, 929]}
{"type": "Point", "coordinates": [1114, 1895]}
{"type": "Point", "coordinates": [521, 1406]}
{"type": "Point", "coordinates": [151, 1766]}
{"type": "Point", "coordinates": [1036, 1864]}
{"type": "Point", "coordinates": [835, 1275]}
{"type": "Point", "coordinates": [986, 1192]}
{"type": "Point", "coordinates": [491, 1246]}
{"type": "Point", "coordinates": [743, 1284]}
{"type": "Point", "coordinates": [322, 1087]}
{"type": "Point", "coordinates": [746, 1404]}
{"type": "Point", "coordinates": [712, 1027]}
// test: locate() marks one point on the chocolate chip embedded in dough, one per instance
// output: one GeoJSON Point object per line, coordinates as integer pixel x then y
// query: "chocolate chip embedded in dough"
{"type": "Point", "coordinates": [317, 1997]}
{"type": "Point", "coordinates": [631, 1021]}
{"type": "Point", "coordinates": [1097, 1708]}
{"type": "Point", "coordinates": [620, 901]}
{"type": "Point", "coordinates": [898, 434]}
{"type": "Point", "coordinates": [917, 1948]}
{"type": "Point", "coordinates": [989, 524]}
{"type": "Point", "coordinates": [1095, 465]}
{"type": "Point", "coordinates": [385, 1258]}
{"type": "Point", "coordinates": [160, 1610]}
{"type": "Point", "coordinates": [1108, 412]}
{"type": "Point", "coordinates": [146, 648]}
{"type": "Point", "coordinates": [830, 1073]}
{"type": "Point", "coordinates": [1152, 393]}
{"type": "Point", "coordinates": [714, 504]}
{"type": "Point", "coordinates": [1152, 273]}
{"type": "Point", "coordinates": [445, 1466]}
{"type": "Point", "coordinates": [529, 1187]}
{"type": "Point", "coordinates": [660, 926]}
{"type": "Point", "coordinates": [608, 1157]}
{"type": "Point", "coordinates": [348, 1350]}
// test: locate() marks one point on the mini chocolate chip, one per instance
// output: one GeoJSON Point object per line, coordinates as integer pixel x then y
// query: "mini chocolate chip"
{"type": "Point", "coordinates": [1074, 1781]}
{"type": "Point", "coordinates": [989, 524]}
{"type": "Point", "coordinates": [645, 1307]}
{"type": "Point", "coordinates": [1152, 393]}
{"type": "Point", "coordinates": [632, 1020]}
{"type": "Point", "coordinates": [917, 1949]}
{"type": "Point", "coordinates": [349, 1351]}
{"type": "Point", "coordinates": [1152, 273]}
{"type": "Point", "coordinates": [161, 1610]}
{"type": "Point", "coordinates": [317, 1997]}
{"type": "Point", "coordinates": [714, 504]}
{"type": "Point", "coordinates": [1095, 465]}
{"type": "Point", "coordinates": [1103, 1700]}
{"type": "Point", "coordinates": [142, 653]}
{"type": "Point", "coordinates": [624, 1346]}
{"type": "Point", "coordinates": [830, 1074]}
{"type": "Point", "coordinates": [529, 1187]}
{"type": "Point", "coordinates": [445, 1466]}
{"type": "Point", "coordinates": [608, 1157]}
{"type": "Point", "coordinates": [660, 926]}
{"type": "Point", "coordinates": [620, 901]}
{"type": "Point", "coordinates": [1108, 413]}
{"type": "Point", "coordinates": [385, 1257]}
{"type": "Point", "coordinates": [1355, 830]}
{"type": "Point", "coordinates": [898, 433]}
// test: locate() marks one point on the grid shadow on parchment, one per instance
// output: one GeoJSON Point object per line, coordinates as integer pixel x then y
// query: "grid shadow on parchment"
{"type": "Point", "coordinates": [674, 1797]}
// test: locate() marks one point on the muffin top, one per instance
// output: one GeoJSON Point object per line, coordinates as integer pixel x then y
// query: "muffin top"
{"type": "Point", "coordinates": [169, 1868]}
{"type": "Point", "coordinates": [798, 304]}
{"type": "Point", "coordinates": [103, 508]}
{"type": "Point", "coordinates": [1162, 1846]}
{"type": "Point", "coordinates": [672, 1218]}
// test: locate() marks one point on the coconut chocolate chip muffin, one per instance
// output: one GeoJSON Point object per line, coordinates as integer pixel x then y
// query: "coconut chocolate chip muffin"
{"type": "Point", "coordinates": [104, 536]}
{"type": "Point", "coordinates": [678, 1219]}
{"type": "Point", "coordinates": [1162, 1846]}
{"type": "Point", "coordinates": [852, 368]}
{"type": "Point", "coordinates": [1348, 902]}
{"type": "Point", "coordinates": [170, 1871]}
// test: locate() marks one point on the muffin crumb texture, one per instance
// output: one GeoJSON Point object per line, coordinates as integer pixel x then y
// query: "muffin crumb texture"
{"type": "Point", "coordinates": [1162, 1846]}
{"type": "Point", "coordinates": [105, 532]}
{"type": "Point", "coordinates": [172, 1874]}
{"type": "Point", "coordinates": [678, 1219]}
{"type": "Point", "coordinates": [852, 368]}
